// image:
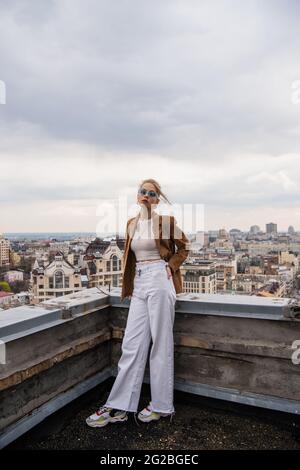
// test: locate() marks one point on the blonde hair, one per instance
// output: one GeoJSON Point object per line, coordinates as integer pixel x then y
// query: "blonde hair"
{"type": "Point", "coordinates": [157, 188]}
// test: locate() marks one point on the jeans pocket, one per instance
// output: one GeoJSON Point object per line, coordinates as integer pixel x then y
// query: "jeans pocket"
{"type": "Point", "coordinates": [170, 280]}
{"type": "Point", "coordinates": [167, 274]}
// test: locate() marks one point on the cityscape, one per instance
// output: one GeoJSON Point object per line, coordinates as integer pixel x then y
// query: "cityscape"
{"type": "Point", "coordinates": [259, 262]}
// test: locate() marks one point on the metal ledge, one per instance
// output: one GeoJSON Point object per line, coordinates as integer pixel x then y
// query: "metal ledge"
{"type": "Point", "coordinates": [19, 428]}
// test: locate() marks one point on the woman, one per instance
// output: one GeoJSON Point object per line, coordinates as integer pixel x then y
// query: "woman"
{"type": "Point", "coordinates": [151, 279]}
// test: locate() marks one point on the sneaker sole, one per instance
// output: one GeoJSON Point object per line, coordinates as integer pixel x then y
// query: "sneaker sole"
{"type": "Point", "coordinates": [112, 420]}
{"type": "Point", "coordinates": [147, 419]}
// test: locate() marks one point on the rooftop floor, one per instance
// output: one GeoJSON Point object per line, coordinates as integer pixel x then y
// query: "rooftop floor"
{"type": "Point", "coordinates": [198, 424]}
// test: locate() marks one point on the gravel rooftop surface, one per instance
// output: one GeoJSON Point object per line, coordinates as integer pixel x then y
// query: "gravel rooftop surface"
{"type": "Point", "coordinates": [198, 424]}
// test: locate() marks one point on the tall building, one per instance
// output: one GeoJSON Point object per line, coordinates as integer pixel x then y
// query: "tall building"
{"type": "Point", "coordinates": [4, 251]}
{"type": "Point", "coordinates": [271, 228]}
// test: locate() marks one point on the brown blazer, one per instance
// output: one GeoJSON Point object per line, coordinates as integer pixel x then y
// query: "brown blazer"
{"type": "Point", "coordinates": [167, 236]}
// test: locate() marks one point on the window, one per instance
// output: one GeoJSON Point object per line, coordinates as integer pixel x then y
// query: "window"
{"type": "Point", "coordinates": [59, 280]}
{"type": "Point", "coordinates": [115, 263]}
{"type": "Point", "coordinates": [115, 280]}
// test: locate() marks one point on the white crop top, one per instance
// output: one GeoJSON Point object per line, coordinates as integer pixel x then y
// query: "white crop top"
{"type": "Point", "coordinates": [143, 242]}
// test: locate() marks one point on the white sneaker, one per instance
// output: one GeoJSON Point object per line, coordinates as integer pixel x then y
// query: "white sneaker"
{"type": "Point", "coordinates": [147, 414]}
{"type": "Point", "coordinates": [106, 415]}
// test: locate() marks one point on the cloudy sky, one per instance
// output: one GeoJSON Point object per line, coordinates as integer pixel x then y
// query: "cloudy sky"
{"type": "Point", "coordinates": [203, 96]}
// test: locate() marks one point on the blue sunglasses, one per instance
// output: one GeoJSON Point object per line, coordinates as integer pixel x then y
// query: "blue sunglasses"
{"type": "Point", "coordinates": [143, 192]}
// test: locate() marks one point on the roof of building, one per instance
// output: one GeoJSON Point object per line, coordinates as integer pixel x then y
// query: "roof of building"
{"type": "Point", "coordinates": [101, 245]}
{"type": "Point", "coordinates": [5, 294]}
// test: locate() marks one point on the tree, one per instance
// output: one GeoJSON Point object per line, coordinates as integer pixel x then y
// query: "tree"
{"type": "Point", "coordinates": [4, 286]}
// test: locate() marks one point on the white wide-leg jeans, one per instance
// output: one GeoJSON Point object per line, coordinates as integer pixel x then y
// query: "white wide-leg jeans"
{"type": "Point", "coordinates": [151, 316]}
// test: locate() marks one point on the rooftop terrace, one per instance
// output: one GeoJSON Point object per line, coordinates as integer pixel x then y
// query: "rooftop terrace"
{"type": "Point", "coordinates": [230, 350]}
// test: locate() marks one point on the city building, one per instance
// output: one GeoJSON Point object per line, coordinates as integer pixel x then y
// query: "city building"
{"type": "Point", "coordinates": [13, 276]}
{"type": "Point", "coordinates": [199, 276]}
{"type": "Point", "coordinates": [5, 299]}
{"type": "Point", "coordinates": [271, 228]}
{"type": "Point", "coordinates": [254, 229]}
{"type": "Point", "coordinates": [4, 251]}
{"type": "Point", "coordinates": [103, 262]}
{"type": "Point", "coordinates": [56, 279]}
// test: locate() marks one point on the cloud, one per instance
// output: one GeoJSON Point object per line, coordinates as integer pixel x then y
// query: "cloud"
{"type": "Point", "coordinates": [197, 94]}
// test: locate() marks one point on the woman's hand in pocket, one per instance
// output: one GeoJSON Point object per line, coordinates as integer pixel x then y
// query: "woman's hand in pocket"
{"type": "Point", "coordinates": [169, 271]}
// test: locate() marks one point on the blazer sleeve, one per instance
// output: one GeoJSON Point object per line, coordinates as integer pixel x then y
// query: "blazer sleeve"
{"type": "Point", "coordinates": [182, 243]}
{"type": "Point", "coordinates": [126, 237]}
